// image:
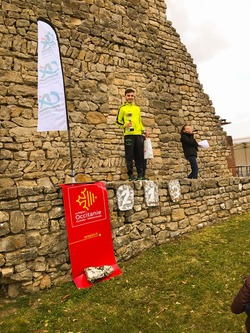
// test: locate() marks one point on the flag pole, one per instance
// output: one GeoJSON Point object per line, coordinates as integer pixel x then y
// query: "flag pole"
{"type": "Point", "coordinates": [70, 151]}
{"type": "Point", "coordinates": [52, 112]}
{"type": "Point", "coordinates": [67, 115]}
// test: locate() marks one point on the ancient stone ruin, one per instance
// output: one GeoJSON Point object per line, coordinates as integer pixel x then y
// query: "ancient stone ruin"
{"type": "Point", "coordinates": [106, 46]}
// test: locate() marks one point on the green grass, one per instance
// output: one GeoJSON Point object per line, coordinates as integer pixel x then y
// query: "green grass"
{"type": "Point", "coordinates": [184, 286]}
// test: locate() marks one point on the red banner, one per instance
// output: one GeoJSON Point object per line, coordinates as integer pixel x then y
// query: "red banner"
{"type": "Point", "coordinates": [89, 231]}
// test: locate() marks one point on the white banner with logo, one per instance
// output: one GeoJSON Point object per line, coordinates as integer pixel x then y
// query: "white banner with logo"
{"type": "Point", "coordinates": [52, 112]}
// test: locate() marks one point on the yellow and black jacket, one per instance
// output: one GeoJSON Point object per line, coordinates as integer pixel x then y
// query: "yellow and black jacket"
{"type": "Point", "coordinates": [130, 112]}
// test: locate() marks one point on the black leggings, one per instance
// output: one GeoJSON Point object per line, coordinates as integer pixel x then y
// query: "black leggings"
{"type": "Point", "coordinates": [134, 151]}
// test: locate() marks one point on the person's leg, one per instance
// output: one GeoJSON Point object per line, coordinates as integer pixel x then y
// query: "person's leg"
{"type": "Point", "coordinates": [144, 167]}
{"type": "Point", "coordinates": [247, 323]}
{"type": "Point", "coordinates": [247, 309]}
{"type": "Point", "coordinates": [144, 160]}
{"type": "Point", "coordinates": [194, 167]}
{"type": "Point", "coordinates": [129, 153]}
{"type": "Point", "coordinates": [139, 155]}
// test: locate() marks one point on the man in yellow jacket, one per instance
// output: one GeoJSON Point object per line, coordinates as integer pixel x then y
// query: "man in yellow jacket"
{"type": "Point", "coordinates": [129, 119]}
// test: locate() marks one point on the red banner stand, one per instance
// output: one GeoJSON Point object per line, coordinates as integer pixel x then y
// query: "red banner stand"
{"type": "Point", "coordinates": [89, 230]}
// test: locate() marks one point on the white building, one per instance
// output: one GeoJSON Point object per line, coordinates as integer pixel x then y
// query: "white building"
{"type": "Point", "coordinates": [241, 148]}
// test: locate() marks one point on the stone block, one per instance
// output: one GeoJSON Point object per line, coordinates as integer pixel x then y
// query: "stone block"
{"type": "Point", "coordinates": [33, 238]}
{"type": "Point", "coordinates": [45, 282]}
{"type": "Point", "coordinates": [159, 219]}
{"type": "Point", "coordinates": [37, 221]}
{"type": "Point", "coordinates": [2, 260]}
{"type": "Point", "coordinates": [4, 217]}
{"type": "Point", "coordinates": [139, 216]}
{"type": "Point", "coordinates": [172, 226]}
{"type": "Point", "coordinates": [4, 229]}
{"type": "Point", "coordinates": [53, 243]}
{"type": "Point", "coordinates": [20, 256]}
{"type": "Point", "coordinates": [7, 272]}
{"type": "Point", "coordinates": [14, 290]}
{"type": "Point", "coordinates": [56, 212]}
{"type": "Point", "coordinates": [12, 243]}
{"type": "Point", "coordinates": [17, 221]}
{"type": "Point", "coordinates": [39, 264]}
{"type": "Point", "coordinates": [10, 193]}
{"type": "Point", "coordinates": [25, 275]}
{"type": "Point", "coordinates": [178, 214]}
{"type": "Point", "coordinates": [162, 237]}
{"type": "Point", "coordinates": [183, 223]}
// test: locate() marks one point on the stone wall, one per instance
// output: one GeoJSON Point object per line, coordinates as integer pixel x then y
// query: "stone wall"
{"type": "Point", "coordinates": [33, 241]}
{"type": "Point", "coordinates": [106, 46]}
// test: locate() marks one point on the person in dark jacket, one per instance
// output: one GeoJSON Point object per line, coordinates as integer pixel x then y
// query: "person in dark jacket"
{"type": "Point", "coordinates": [190, 149]}
{"type": "Point", "coordinates": [241, 302]}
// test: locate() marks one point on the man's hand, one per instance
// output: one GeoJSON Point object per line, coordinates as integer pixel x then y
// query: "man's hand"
{"type": "Point", "coordinates": [128, 125]}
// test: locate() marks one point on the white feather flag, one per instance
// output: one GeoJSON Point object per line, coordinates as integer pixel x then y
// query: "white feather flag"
{"type": "Point", "coordinates": [52, 112]}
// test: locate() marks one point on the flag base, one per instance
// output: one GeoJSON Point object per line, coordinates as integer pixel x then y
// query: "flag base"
{"type": "Point", "coordinates": [82, 282]}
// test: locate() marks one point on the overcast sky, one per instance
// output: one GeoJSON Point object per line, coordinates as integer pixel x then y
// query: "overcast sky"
{"type": "Point", "coordinates": [217, 35]}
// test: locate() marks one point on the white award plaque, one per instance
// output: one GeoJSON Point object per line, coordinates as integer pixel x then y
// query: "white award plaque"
{"type": "Point", "coordinates": [174, 189]}
{"type": "Point", "coordinates": [125, 197]}
{"type": "Point", "coordinates": [151, 193]}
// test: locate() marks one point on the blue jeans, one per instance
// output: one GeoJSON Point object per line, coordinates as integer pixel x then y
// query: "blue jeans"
{"type": "Point", "coordinates": [194, 167]}
{"type": "Point", "coordinates": [247, 309]}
